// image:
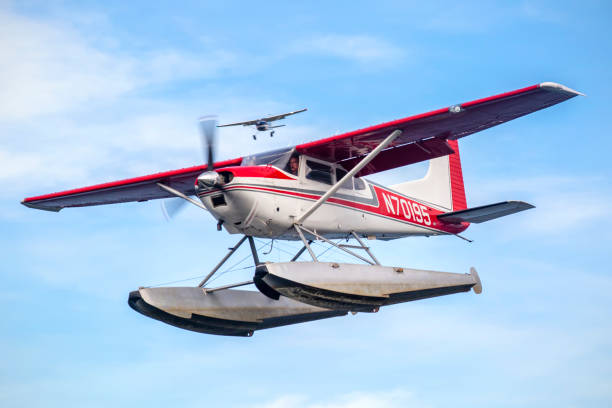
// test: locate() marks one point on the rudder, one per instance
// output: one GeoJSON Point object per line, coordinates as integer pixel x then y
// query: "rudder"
{"type": "Point", "coordinates": [456, 177]}
{"type": "Point", "coordinates": [442, 186]}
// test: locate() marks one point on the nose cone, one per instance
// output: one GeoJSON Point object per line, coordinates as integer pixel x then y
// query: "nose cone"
{"type": "Point", "coordinates": [208, 180]}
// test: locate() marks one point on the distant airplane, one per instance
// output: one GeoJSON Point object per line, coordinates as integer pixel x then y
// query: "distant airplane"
{"type": "Point", "coordinates": [263, 124]}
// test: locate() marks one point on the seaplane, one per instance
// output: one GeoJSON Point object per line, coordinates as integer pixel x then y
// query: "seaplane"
{"type": "Point", "coordinates": [319, 191]}
{"type": "Point", "coordinates": [263, 124]}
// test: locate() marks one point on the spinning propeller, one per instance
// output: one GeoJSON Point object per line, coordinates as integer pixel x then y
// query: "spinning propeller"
{"type": "Point", "coordinates": [208, 135]}
{"type": "Point", "coordinates": [210, 178]}
{"type": "Point", "coordinates": [208, 127]}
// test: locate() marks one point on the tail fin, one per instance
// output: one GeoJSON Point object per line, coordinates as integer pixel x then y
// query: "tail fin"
{"type": "Point", "coordinates": [442, 186]}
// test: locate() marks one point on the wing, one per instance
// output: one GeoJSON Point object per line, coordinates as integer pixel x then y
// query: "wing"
{"type": "Point", "coordinates": [283, 116]}
{"type": "Point", "coordinates": [424, 136]}
{"type": "Point", "coordinates": [135, 189]}
{"type": "Point", "coordinates": [247, 123]}
{"type": "Point", "coordinates": [268, 119]}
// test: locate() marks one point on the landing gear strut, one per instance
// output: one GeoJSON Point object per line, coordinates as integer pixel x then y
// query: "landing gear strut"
{"type": "Point", "coordinates": [344, 247]}
{"type": "Point", "coordinates": [225, 258]}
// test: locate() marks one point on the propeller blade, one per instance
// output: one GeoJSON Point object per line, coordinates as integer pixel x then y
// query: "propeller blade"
{"type": "Point", "coordinates": [208, 126]}
{"type": "Point", "coordinates": [171, 207]}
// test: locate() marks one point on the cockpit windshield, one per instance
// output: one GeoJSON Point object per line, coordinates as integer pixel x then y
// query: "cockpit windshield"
{"type": "Point", "coordinates": [278, 158]}
{"type": "Point", "coordinates": [288, 159]}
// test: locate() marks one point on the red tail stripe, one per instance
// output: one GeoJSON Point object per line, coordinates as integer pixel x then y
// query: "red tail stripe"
{"type": "Point", "coordinates": [456, 178]}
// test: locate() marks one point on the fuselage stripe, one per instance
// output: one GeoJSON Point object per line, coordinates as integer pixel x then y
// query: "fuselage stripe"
{"type": "Point", "coordinates": [377, 210]}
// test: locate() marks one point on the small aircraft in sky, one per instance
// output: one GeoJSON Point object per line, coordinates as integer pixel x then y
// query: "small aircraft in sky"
{"type": "Point", "coordinates": [318, 191]}
{"type": "Point", "coordinates": [263, 124]}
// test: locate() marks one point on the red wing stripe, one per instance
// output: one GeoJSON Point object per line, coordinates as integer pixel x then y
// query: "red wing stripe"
{"type": "Point", "coordinates": [500, 96]}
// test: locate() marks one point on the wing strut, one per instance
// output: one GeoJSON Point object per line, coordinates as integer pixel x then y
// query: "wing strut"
{"type": "Point", "coordinates": [181, 195]}
{"type": "Point", "coordinates": [350, 174]}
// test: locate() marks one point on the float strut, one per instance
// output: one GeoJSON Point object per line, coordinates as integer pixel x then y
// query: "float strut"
{"type": "Point", "coordinates": [301, 251]}
{"type": "Point", "coordinates": [306, 243]}
{"type": "Point", "coordinates": [253, 250]}
{"type": "Point", "coordinates": [225, 258]}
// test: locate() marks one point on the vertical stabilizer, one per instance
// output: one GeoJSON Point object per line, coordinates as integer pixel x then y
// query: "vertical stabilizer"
{"type": "Point", "coordinates": [442, 187]}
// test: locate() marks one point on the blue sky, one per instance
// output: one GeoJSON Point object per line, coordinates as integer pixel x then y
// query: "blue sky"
{"type": "Point", "coordinates": [96, 91]}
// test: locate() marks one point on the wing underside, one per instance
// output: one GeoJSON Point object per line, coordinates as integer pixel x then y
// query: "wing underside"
{"type": "Point", "coordinates": [135, 189]}
{"type": "Point", "coordinates": [424, 136]}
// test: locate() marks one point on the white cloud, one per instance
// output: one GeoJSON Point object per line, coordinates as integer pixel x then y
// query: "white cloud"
{"type": "Point", "coordinates": [478, 17]}
{"type": "Point", "coordinates": [66, 152]}
{"type": "Point", "coordinates": [363, 49]}
{"type": "Point", "coordinates": [537, 12]}
{"type": "Point", "coordinates": [463, 18]}
{"type": "Point", "coordinates": [381, 399]}
{"type": "Point", "coordinates": [562, 202]}
{"type": "Point", "coordinates": [564, 211]}
{"type": "Point", "coordinates": [51, 67]}
{"type": "Point", "coordinates": [72, 110]}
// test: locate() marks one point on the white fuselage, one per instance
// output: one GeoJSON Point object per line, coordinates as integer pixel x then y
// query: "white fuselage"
{"type": "Point", "coordinates": [264, 201]}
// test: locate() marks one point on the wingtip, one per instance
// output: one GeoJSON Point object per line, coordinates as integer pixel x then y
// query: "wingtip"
{"type": "Point", "coordinates": [553, 86]}
{"type": "Point", "coordinates": [40, 207]}
{"type": "Point", "coordinates": [522, 204]}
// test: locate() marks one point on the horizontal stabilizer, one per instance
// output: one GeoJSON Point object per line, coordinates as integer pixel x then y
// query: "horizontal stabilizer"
{"type": "Point", "coordinates": [484, 212]}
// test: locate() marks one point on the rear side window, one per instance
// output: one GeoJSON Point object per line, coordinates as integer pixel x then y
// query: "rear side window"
{"type": "Point", "coordinates": [319, 172]}
{"type": "Point", "coordinates": [348, 184]}
{"type": "Point", "coordinates": [353, 182]}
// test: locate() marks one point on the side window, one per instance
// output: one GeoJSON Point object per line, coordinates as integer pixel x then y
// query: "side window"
{"type": "Point", "coordinates": [348, 184]}
{"type": "Point", "coordinates": [293, 165]}
{"type": "Point", "coordinates": [318, 172]}
{"type": "Point", "coordinates": [359, 184]}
